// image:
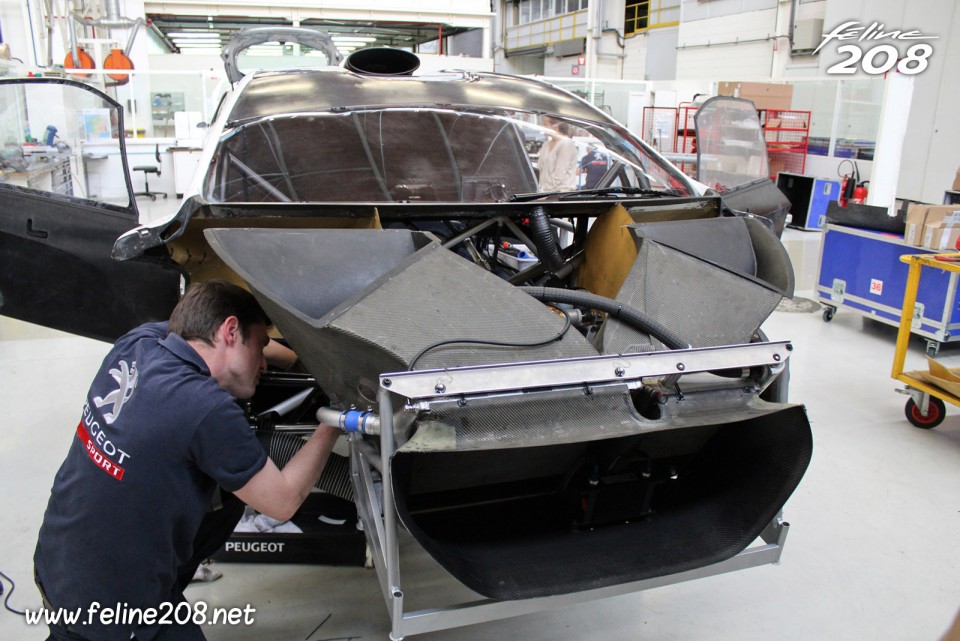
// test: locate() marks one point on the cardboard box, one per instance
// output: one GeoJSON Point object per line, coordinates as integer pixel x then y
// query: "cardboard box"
{"type": "Point", "coordinates": [956, 181]}
{"type": "Point", "coordinates": [916, 219]}
{"type": "Point", "coordinates": [936, 213]}
{"type": "Point", "coordinates": [933, 219]}
{"type": "Point", "coordinates": [764, 95]}
{"type": "Point", "coordinates": [940, 375]}
{"type": "Point", "coordinates": [941, 235]}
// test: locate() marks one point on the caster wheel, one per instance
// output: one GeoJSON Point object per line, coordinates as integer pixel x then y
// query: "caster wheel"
{"type": "Point", "coordinates": [935, 414]}
{"type": "Point", "coordinates": [828, 313]}
{"type": "Point", "coordinates": [933, 349]}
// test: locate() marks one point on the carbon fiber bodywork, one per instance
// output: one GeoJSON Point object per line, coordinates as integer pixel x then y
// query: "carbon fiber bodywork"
{"type": "Point", "coordinates": [544, 489]}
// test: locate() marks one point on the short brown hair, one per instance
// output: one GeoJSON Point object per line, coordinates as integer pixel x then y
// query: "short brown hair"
{"type": "Point", "coordinates": [206, 305]}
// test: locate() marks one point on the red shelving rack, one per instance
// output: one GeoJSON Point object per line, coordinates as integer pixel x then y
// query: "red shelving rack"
{"type": "Point", "coordinates": [787, 134]}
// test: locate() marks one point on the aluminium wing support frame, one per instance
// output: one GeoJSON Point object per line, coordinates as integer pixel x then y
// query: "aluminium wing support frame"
{"type": "Point", "coordinates": [421, 388]}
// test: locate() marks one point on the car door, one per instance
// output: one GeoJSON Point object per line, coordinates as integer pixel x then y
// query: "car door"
{"type": "Point", "coordinates": [56, 234]}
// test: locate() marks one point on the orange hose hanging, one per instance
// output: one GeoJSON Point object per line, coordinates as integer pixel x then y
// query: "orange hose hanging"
{"type": "Point", "coordinates": [118, 60]}
{"type": "Point", "coordinates": [83, 58]}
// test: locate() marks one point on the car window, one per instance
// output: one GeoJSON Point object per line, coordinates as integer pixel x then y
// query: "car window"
{"type": "Point", "coordinates": [58, 138]}
{"type": "Point", "coordinates": [427, 155]}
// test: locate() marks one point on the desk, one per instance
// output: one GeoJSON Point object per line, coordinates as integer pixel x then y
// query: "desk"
{"type": "Point", "coordinates": [51, 175]}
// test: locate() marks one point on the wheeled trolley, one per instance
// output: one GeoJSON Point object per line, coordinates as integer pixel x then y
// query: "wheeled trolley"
{"type": "Point", "coordinates": [926, 406]}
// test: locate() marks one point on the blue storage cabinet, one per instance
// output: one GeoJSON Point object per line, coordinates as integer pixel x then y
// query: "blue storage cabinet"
{"type": "Point", "coordinates": [860, 271]}
{"type": "Point", "coordinates": [808, 198]}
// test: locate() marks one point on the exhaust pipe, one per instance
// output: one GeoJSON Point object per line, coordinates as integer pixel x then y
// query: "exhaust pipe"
{"type": "Point", "coordinates": [382, 61]}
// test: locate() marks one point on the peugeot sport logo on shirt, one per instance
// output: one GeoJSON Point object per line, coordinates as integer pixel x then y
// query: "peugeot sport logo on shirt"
{"type": "Point", "coordinates": [126, 376]}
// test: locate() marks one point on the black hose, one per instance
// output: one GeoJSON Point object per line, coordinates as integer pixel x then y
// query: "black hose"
{"type": "Point", "coordinates": [482, 341]}
{"type": "Point", "coordinates": [546, 242]}
{"type": "Point", "coordinates": [614, 308]}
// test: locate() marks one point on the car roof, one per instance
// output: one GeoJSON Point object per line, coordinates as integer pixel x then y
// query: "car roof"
{"type": "Point", "coordinates": [276, 93]}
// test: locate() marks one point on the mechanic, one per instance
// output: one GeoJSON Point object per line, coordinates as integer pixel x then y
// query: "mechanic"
{"type": "Point", "coordinates": [132, 528]}
{"type": "Point", "coordinates": [558, 158]}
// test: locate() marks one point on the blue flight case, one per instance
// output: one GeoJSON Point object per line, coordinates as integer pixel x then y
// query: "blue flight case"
{"type": "Point", "coordinates": [860, 271]}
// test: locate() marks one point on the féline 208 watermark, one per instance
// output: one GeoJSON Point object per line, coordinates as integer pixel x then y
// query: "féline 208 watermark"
{"type": "Point", "coordinates": [878, 58]}
{"type": "Point", "coordinates": [122, 614]}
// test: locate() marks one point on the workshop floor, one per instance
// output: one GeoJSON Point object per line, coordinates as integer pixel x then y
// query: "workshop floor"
{"type": "Point", "coordinates": [873, 550]}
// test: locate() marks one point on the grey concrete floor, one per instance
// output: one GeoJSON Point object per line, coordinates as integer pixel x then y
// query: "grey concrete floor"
{"type": "Point", "coordinates": [873, 550]}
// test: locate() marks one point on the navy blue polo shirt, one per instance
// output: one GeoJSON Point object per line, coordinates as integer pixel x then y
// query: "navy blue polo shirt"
{"type": "Point", "coordinates": [157, 434]}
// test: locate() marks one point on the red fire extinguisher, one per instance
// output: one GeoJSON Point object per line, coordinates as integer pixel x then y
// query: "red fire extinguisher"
{"type": "Point", "coordinates": [842, 198]}
{"type": "Point", "coordinates": [860, 193]}
{"type": "Point", "coordinates": [849, 186]}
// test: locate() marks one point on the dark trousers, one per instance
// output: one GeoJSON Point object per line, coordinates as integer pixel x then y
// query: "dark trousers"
{"type": "Point", "coordinates": [215, 529]}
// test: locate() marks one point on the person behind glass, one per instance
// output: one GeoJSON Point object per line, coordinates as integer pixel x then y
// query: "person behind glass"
{"type": "Point", "coordinates": [558, 158]}
{"type": "Point", "coordinates": [160, 435]}
{"type": "Point", "coordinates": [593, 166]}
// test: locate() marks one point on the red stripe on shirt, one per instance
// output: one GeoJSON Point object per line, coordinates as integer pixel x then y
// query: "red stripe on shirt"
{"type": "Point", "coordinates": [98, 457]}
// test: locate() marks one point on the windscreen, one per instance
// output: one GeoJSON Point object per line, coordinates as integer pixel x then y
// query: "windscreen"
{"type": "Point", "coordinates": [731, 150]}
{"type": "Point", "coordinates": [426, 155]}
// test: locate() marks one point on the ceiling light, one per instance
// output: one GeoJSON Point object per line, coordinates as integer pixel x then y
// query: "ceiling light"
{"type": "Point", "coordinates": [206, 33]}
{"type": "Point", "coordinates": [352, 38]}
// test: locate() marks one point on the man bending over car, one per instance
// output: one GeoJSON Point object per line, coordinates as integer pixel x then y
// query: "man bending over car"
{"type": "Point", "coordinates": [161, 431]}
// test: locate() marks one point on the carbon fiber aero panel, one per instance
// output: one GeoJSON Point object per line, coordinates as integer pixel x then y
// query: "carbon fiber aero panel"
{"type": "Point", "coordinates": [357, 303]}
{"type": "Point", "coordinates": [539, 521]}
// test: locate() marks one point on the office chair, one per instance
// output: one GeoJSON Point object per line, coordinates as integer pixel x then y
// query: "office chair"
{"type": "Point", "coordinates": [147, 170]}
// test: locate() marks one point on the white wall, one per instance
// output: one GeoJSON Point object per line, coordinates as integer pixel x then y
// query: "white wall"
{"type": "Point", "coordinates": [931, 151]}
{"type": "Point", "coordinates": [561, 67]}
{"type": "Point", "coordinates": [635, 64]}
{"type": "Point", "coordinates": [469, 43]}
{"type": "Point", "coordinates": [16, 31]}
{"type": "Point", "coordinates": [521, 65]}
{"type": "Point", "coordinates": [729, 46]}
{"type": "Point", "coordinates": [661, 58]}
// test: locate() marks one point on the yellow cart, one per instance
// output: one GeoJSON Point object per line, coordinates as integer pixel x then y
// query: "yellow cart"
{"type": "Point", "coordinates": [926, 406]}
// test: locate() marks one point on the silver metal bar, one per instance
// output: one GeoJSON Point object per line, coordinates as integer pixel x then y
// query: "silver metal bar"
{"type": "Point", "coordinates": [579, 371]}
{"type": "Point", "coordinates": [459, 238]}
{"type": "Point", "coordinates": [391, 546]}
{"type": "Point", "coordinates": [512, 226]}
{"type": "Point", "coordinates": [947, 304]}
{"type": "Point", "coordinates": [370, 455]}
{"type": "Point", "coordinates": [260, 180]}
{"type": "Point", "coordinates": [295, 428]}
{"type": "Point", "coordinates": [479, 611]}
{"type": "Point", "coordinates": [383, 540]}
{"type": "Point", "coordinates": [369, 511]}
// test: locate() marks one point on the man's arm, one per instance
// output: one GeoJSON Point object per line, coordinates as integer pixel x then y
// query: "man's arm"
{"type": "Point", "coordinates": [279, 355]}
{"type": "Point", "coordinates": [279, 493]}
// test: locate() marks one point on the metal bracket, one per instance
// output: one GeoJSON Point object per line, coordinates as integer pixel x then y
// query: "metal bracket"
{"type": "Point", "coordinates": [577, 372]}
{"type": "Point", "coordinates": [381, 521]}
